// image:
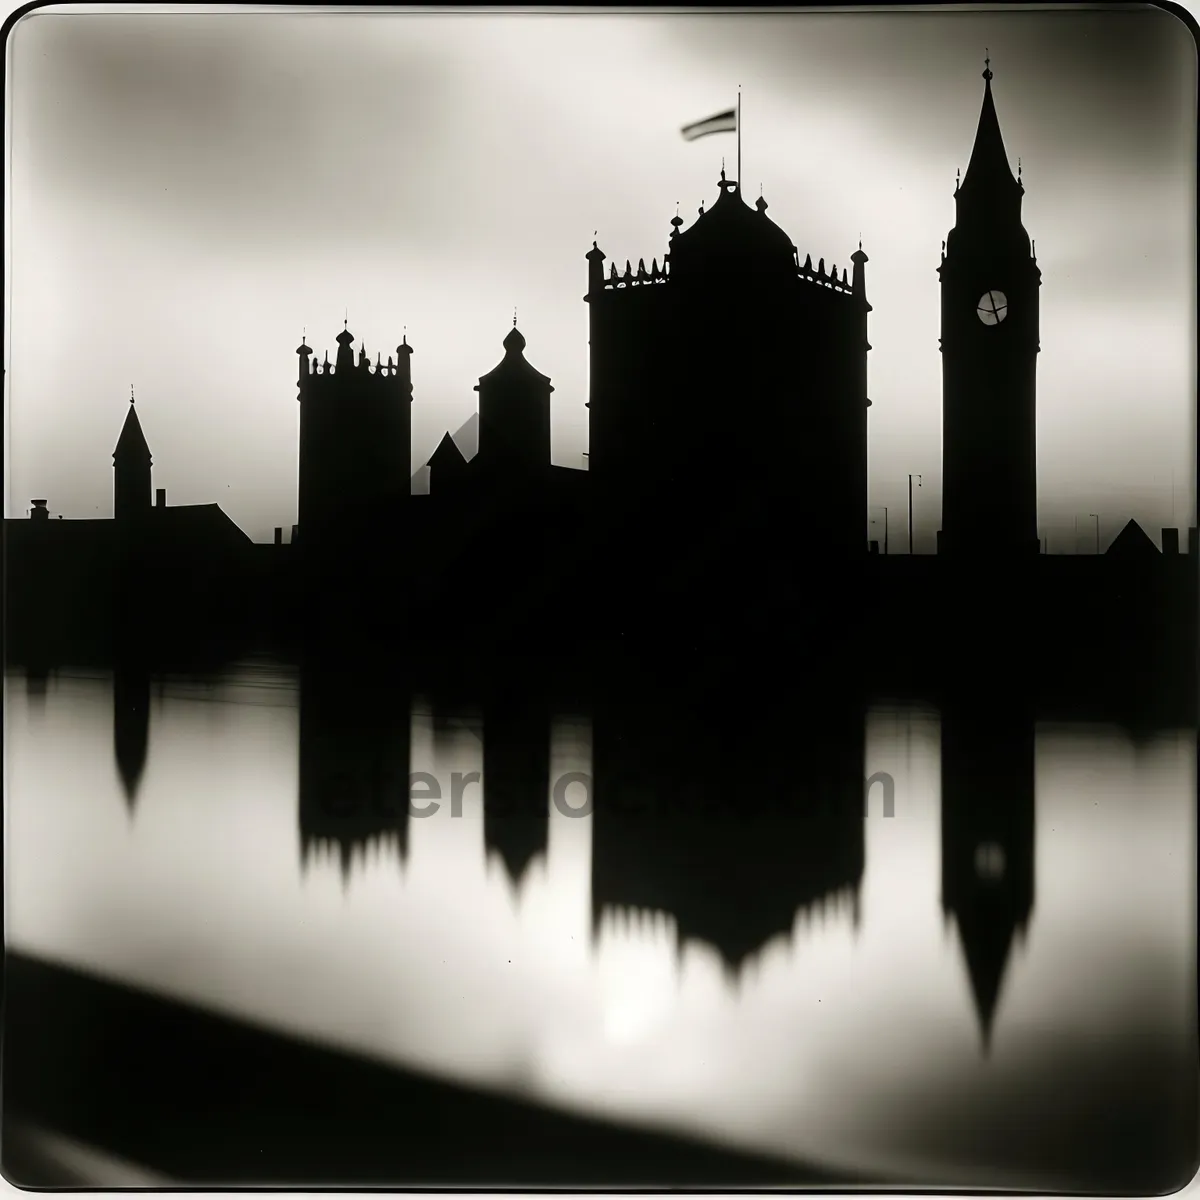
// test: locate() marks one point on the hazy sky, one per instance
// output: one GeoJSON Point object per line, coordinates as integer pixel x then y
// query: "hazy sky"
{"type": "Point", "coordinates": [192, 190]}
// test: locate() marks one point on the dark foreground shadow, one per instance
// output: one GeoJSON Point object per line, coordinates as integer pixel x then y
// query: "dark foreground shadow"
{"type": "Point", "coordinates": [213, 1102]}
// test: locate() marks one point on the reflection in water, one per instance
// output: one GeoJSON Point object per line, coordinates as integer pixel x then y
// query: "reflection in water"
{"type": "Point", "coordinates": [727, 839]}
{"type": "Point", "coordinates": [516, 780]}
{"type": "Point", "coordinates": [354, 763]}
{"type": "Point", "coordinates": [987, 841]}
{"type": "Point", "coordinates": [730, 819]}
{"type": "Point", "coordinates": [131, 725]}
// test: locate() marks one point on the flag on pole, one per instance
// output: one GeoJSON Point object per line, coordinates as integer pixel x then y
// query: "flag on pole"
{"type": "Point", "coordinates": [723, 122]}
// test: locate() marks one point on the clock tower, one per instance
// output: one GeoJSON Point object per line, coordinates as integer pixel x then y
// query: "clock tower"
{"type": "Point", "coordinates": [989, 343]}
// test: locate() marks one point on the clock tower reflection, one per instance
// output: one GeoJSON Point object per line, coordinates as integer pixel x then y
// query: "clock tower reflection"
{"type": "Point", "coordinates": [987, 840]}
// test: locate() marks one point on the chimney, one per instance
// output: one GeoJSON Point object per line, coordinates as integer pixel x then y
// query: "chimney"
{"type": "Point", "coordinates": [1170, 541]}
{"type": "Point", "coordinates": [160, 498]}
{"type": "Point", "coordinates": [874, 547]}
{"type": "Point", "coordinates": [39, 511]}
{"type": "Point", "coordinates": [295, 534]}
{"type": "Point", "coordinates": [1192, 546]}
{"type": "Point", "coordinates": [279, 535]}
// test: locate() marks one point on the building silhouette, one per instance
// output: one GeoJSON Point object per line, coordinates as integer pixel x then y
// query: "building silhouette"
{"type": "Point", "coordinates": [355, 437]}
{"type": "Point", "coordinates": [699, 369]}
{"type": "Point", "coordinates": [989, 342]}
{"type": "Point", "coordinates": [501, 522]}
{"type": "Point", "coordinates": [131, 472]}
{"type": "Point", "coordinates": [724, 497]}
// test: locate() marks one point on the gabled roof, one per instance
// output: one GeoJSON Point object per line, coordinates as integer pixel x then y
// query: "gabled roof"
{"type": "Point", "coordinates": [447, 455]}
{"type": "Point", "coordinates": [132, 445]}
{"type": "Point", "coordinates": [1132, 541]}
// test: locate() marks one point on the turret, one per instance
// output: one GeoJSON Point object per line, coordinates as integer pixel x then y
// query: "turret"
{"type": "Point", "coordinates": [345, 355]}
{"type": "Point", "coordinates": [304, 353]}
{"type": "Point", "coordinates": [514, 410]}
{"type": "Point", "coordinates": [404, 366]}
{"type": "Point", "coordinates": [595, 258]}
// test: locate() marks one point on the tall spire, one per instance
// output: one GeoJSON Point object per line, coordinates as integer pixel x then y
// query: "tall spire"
{"type": "Point", "coordinates": [989, 167]}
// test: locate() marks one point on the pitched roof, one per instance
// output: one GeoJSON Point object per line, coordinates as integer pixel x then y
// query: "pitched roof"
{"type": "Point", "coordinates": [447, 455]}
{"type": "Point", "coordinates": [1133, 541]}
{"type": "Point", "coordinates": [132, 442]}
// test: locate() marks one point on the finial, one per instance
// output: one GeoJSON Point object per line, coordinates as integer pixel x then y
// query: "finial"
{"type": "Point", "coordinates": [131, 393]}
{"type": "Point", "coordinates": [1018, 170]}
{"type": "Point", "coordinates": [860, 241]}
{"type": "Point", "coordinates": [514, 317]}
{"type": "Point", "coordinates": [987, 64]}
{"type": "Point", "coordinates": [346, 322]}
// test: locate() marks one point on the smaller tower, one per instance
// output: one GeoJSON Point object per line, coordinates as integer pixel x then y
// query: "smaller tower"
{"type": "Point", "coordinates": [131, 470]}
{"type": "Point", "coordinates": [514, 412]}
{"type": "Point", "coordinates": [447, 467]}
{"type": "Point", "coordinates": [345, 353]}
{"type": "Point", "coordinates": [595, 259]}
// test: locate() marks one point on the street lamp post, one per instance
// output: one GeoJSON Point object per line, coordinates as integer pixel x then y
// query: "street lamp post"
{"type": "Point", "coordinates": [910, 510]}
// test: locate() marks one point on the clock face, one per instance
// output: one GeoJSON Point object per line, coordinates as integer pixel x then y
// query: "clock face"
{"type": "Point", "coordinates": [992, 307]}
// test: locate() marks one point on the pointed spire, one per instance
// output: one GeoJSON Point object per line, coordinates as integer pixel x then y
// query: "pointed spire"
{"type": "Point", "coordinates": [988, 168]}
{"type": "Point", "coordinates": [131, 445]}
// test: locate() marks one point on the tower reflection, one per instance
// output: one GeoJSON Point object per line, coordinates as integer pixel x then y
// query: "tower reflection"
{"type": "Point", "coordinates": [131, 724]}
{"type": "Point", "coordinates": [516, 779]}
{"type": "Point", "coordinates": [987, 765]}
{"type": "Point", "coordinates": [354, 760]}
{"type": "Point", "coordinates": [727, 808]}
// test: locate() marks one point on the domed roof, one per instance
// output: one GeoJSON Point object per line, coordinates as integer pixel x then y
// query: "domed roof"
{"type": "Point", "coordinates": [733, 232]}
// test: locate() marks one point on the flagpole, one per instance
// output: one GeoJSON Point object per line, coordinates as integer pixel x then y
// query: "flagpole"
{"type": "Point", "coordinates": [739, 135]}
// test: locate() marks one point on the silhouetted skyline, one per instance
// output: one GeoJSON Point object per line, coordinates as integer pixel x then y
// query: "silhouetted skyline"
{"type": "Point", "coordinates": [222, 412]}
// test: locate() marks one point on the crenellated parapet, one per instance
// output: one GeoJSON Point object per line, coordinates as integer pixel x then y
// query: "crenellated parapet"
{"type": "Point", "coordinates": [315, 376]}
{"type": "Point", "coordinates": [830, 279]}
{"type": "Point", "coordinates": [639, 278]}
{"type": "Point", "coordinates": [382, 370]}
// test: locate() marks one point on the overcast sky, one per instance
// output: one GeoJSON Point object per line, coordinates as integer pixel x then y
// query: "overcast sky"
{"type": "Point", "coordinates": [192, 190]}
